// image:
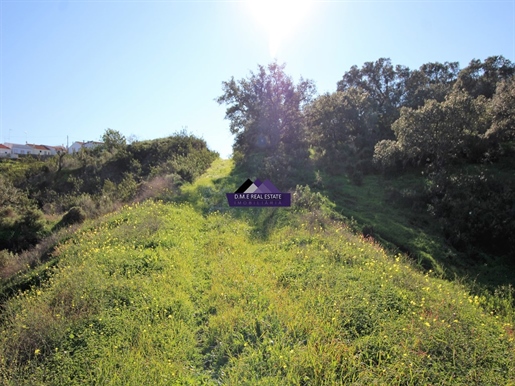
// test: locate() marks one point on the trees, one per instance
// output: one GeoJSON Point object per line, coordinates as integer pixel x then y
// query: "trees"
{"type": "Point", "coordinates": [343, 126]}
{"type": "Point", "coordinates": [386, 86]}
{"type": "Point", "coordinates": [21, 223]}
{"type": "Point", "coordinates": [452, 118]}
{"type": "Point", "coordinates": [60, 159]}
{"type": "Point", "coordinates": [439, 133]}
{"type": "Point", "coordinates": [432, 80]}
{"type": "Point", "coordinates": [113, 140]}
{"type": "Point", "coordinates": [266, 115]}
{"type": "Point", "coordinates": [481, 78]}
{"type": "Point", "coordinates": [380, 79]}
{"type": "Point", "coordinates": [503, 110]}
{"type": "Point", "coordinates": [450, 115]}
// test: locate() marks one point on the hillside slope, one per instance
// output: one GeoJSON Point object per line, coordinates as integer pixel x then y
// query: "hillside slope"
{"type": "Point", "coordinates": [160, 294]}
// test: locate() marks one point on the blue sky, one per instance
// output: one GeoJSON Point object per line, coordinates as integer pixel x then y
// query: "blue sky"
{"type": "Point", "coordinates": [150, 68]}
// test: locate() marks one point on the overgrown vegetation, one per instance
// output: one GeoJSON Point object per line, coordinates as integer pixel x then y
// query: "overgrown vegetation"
{"type": "Point", "coordinates": [160, 294]}
{"type": "Point", "coordinates": [21, 222]}
{"type": "Point", "coordinates": [393, 266]}
{"type": "Point", "coordinates": [451, 126]}
{"type": "Point", "coordinates": [39, 197]}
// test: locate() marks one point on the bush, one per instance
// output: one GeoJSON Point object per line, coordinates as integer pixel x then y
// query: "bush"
{"type": "Point", "coordinates": [74, 216]}
{"type": "Point", "coordinates": [22, 232]}
{"type": "Point", "coordinates": [387, 154]}
{"type": "Point", "coordinates": [5, 258]}
{"type": "Point", "coordinates": [128, 188]}
{"type": "Point", "coordinates": [304, 198]}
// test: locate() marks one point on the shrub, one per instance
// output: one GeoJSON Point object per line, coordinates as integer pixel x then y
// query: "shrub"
{"type": "Point", "coordinates": [23, 232]}
{"type": "Point", "coordinates": [74, 216]}
{"type": "Point", "coordinates": [127, 189]}
{"type": "Point", "coordinates": [387, 154]}
{"type": "Point", "coordinates": [304, 198]}
{"type": "Point", "coordinates": [314, 203]}
{"type": "Point", "coordinates": [5, 258]}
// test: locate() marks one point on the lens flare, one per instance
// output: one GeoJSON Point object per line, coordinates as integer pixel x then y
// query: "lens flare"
{"type": "Point", "coordinates": [280, 18]}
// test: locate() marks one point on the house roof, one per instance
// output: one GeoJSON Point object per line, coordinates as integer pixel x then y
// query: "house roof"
{"type": "Point", "coordinates": [57, 148]}
{"type": "Point", "coordinates": [38, 147]}
{"type": "Point", "coordinates": [4, 147]}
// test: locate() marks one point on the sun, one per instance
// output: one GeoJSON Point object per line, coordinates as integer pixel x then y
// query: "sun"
{"type": "Point", "coordinates": [280, 18]}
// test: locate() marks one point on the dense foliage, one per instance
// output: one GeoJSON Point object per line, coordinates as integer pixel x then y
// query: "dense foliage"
{"type": "Point", "coordinates": [21, 223]}
{"type": "Point", "coordinates": [266, 115]}
{"type": "Point", "coordinates": [91, 182]}
{"type": "Point", "coordinates": [438, 120]}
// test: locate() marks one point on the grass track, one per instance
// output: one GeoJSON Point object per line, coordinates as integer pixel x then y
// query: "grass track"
{"type": "Point", "coordinates": [159, 294]}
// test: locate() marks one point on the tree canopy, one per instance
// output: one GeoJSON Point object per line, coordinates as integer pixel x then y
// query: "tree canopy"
{"type": "Point", "coordinates": [439, 132]}
{"type": "Point", "coordinates": [266, 115]}
{"type": "Point", "coordinates": [113, 139]}
{"type": "Point", "coordinates": [386, 117]}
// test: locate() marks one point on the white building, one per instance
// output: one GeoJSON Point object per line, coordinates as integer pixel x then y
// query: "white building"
{"type": "Point", "coordinates": [40, 149]}
{"type": "Point", "coordinates": [20, 149]}
{"type": "Point", "coordinates": [92, 144]}
{"type": "Point", "coordinates": [5, 152]}
{"type": "Point", "coordinates": [77, 145]}
{"type": "Point", "coordinates": [57, 149]}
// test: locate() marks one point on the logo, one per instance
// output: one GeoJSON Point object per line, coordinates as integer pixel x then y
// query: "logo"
{"type": "Point", "coordinates": [257, 193]}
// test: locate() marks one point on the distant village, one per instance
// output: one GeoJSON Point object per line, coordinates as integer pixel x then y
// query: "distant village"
{"type": "Point", "coordinates": [15, 150]}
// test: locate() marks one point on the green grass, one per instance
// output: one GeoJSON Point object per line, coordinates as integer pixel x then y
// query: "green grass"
{"type": "Point", "coordinates": [162, 294]}
{"type": "Point", "coordinates": [383, 204]}
{"type": "Point", "coordinates": [392, 223]}
{"type": "Point", "coordinates": [207, 194]}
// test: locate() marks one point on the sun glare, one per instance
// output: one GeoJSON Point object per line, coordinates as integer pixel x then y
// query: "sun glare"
{"type": "Point", "coordinates": [280, 18]}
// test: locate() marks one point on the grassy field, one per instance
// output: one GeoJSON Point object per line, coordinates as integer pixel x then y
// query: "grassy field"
{"type": "Point", "coordinates": [177, 294]}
